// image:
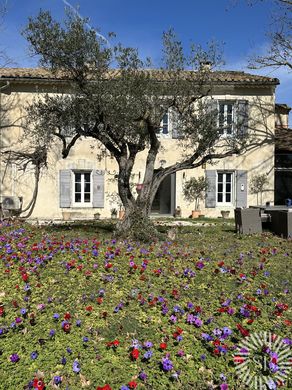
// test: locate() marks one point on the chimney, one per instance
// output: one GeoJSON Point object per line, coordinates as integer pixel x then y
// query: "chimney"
{"type": "Point", "coordinates": [205, 66]}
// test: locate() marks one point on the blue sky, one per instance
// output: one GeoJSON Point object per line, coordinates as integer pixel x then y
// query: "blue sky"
{"type": "Point", "coordinates": [240, 28]}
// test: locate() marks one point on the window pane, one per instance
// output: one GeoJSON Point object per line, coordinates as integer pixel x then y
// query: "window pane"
{"type": "Point", "coordinates": [77, 197]}
{"type": "Point", "coordinates": [229, 108]}
{"type": "Point", "coordinates": [219, 197]}
{"type": "Point", "coordinates": [228, 197]}
{"type": "Point", "coordinates": [228, 177]}
{"type": "Point", "coordinates": [221, 120]}
{"type": "Point", "coordinates": [228, 187]}
{"type": "Point", "coordinates": [86, 197]}
{"type": "Point", "coordinates": [77, 187]}
{"type": "Point", "coordinates": [165, 119]}
{"type": "Point", "coordinates": [87, 177]}
{"type": "Point", "coordinates": [220, 177]}
{"type": "Point", "coordinates": [220, 187]}
{"type": "Point", "coordinates": [77, 177]}
{"type": "Point", "coordinates": [87, 187]}
{"type": "Point", "coordinates": [221, 108]}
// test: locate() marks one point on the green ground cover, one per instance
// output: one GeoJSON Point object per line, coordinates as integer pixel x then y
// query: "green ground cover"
{"type": "Point", "coordinates": [80, 310]}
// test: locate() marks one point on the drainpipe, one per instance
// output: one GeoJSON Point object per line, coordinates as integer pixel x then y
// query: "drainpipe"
{"type": "Point", "coordinates": [2, 89]}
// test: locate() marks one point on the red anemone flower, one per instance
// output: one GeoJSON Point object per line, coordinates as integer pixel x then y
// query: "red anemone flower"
{"type": "Point", "coordinates": [38, 384]}
{"type": "Point", "coordinates": [135, 353]}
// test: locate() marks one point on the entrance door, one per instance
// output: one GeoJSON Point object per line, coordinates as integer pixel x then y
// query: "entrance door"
{"type": "Point", "coordinates": [283, 185]}
{"type": "Point", "coordinates": [164, 200]}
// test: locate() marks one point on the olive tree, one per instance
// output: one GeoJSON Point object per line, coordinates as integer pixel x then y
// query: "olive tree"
{"type": "Point", "coordinates": [113, 98]}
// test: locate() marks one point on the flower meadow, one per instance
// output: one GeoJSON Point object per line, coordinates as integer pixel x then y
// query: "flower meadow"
{"type": "Point", "coordinates": [80, 310]}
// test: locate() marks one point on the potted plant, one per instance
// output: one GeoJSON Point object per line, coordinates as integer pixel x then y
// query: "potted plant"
{"type": "Point", "coordinates": [97, 215]}
{"type": "Point", "coordinates": [258, 184]}
{"type": "Point", "coordinates": [193, 191]}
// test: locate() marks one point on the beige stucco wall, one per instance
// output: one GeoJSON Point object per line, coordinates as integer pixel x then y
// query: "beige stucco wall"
{"type": "Point", "coordinates": [83, 156]}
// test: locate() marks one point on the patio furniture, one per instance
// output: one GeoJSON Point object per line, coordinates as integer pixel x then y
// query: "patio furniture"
{"type": "Point", "coordinates": [281, 222]}
{"type": "Point", "coordinates": [248, 221]}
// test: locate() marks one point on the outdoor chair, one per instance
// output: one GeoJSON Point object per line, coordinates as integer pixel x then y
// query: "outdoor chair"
{"type": "Point", "coordinates": [248, 221]}
{"type": "Point", "coordinates": [281, 223]}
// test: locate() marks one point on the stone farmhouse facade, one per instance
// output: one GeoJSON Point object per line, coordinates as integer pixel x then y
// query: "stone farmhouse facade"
{"type": "Point", "coordinates": [84, 183]}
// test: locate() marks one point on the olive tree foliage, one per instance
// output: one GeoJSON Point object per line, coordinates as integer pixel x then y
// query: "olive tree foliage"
{"type": "Point", "coordinates": [112, 97]}
{"type": "Point", "coordinates": [258, 184]}
{"type": "Point", "coordinates": [194, 190]}
{"type": "Point", "coordinates": [279, 52]}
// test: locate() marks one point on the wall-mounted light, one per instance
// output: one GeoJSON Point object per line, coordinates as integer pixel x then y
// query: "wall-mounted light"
{"type": "Point", "coordinates": [162, 163]}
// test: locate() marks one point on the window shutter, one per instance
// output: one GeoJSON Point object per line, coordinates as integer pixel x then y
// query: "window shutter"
{"type": "Point", "coordinates": [242, 117]}
{"type": "Point", "coordinates": [211, 192]}
{"type": "Point", "coordinates": [97, 188]}
{"type": "Point", "coordinates": [212, 109]}
{"type": "Point", "coordinates": [241, 188]}
{"type": "Point", "coordinates": [65, 188]}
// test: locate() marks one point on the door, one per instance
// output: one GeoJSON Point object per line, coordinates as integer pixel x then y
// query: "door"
{"type": "Point", "coordinates": [164, 200]}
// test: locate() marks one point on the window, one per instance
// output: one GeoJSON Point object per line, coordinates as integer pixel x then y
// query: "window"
{"type": "Point", "coordinates": [224, 187]}
{"type": "Point", "coordinates": [226, 118]}
{"type": "Point", "coordinates": [164, 125]}
{"type": "Point", "coordinates": [82, 188]}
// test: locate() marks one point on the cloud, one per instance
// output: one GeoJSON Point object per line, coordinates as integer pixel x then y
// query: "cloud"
{"type": "Point", "coordinates": [87, 24]}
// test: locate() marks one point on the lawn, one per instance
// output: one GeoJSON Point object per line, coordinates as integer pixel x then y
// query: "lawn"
{"type": "Point", "coordinates": [80, 310]}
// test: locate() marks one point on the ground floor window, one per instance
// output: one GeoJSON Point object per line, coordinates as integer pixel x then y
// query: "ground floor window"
{"type": "Point", "coordinates": [82, 185]}
{"type": "Point", "coordinates": [224, 187]}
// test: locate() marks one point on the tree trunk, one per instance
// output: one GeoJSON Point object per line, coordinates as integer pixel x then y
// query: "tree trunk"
{"type": "Point", "coordinates": [136, 224]}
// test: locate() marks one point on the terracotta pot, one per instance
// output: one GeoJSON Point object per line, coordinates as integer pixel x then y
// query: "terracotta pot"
{"type": "Point", "coordinates": [121, 214]}
{"type": "Point", "coordinates": [225, 213]}
{"type": "Point", "coordinates": [196, 213]}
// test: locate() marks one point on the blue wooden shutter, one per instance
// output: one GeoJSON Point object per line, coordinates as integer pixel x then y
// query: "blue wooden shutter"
{"type": "Point", "coordinates": [97, 188]}
{"type": "Point", "coordinates": [211, 176]}
{"type": "Point", "coordinates": [65, 188]}
{"type": "Point", "coordinates": [241, 188]}
{"type": "Point", "coordinates": [242, 117]}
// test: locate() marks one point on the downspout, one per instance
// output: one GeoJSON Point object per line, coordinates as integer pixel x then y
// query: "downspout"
{"type": "Point", "coordinates": [2, 89]}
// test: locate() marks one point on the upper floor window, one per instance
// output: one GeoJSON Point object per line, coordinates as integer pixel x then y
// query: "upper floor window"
{"type": "Point", "coordinates": [170, 125]}
{"type": "Point", "coordinates": [226, 118]}
{"type": "Point", "coordinates": [82, 185]}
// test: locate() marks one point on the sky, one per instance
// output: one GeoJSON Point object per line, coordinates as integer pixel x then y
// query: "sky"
{"type": "Point", "coordinates": [239, 28]}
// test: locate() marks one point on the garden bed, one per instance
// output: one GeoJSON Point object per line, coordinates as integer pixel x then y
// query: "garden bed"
{"type": "Point", "coordinates": [79, 310]}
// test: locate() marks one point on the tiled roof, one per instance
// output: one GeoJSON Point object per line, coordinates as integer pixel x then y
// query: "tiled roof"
{"type": "Point", "coordinates": [219, 77]}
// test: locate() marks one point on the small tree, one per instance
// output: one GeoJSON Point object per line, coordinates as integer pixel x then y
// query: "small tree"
{"type": "Point", "coordinates": [193, 190]}
{"type": "Point", "coordinates": [257, 185]}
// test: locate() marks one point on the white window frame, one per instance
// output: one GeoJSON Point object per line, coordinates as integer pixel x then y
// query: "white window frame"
{"type": "Point", "coordinates": [169, 132]}
{"type": "Point", "coordinates": [82, 203]}
{"type": "Point", "coordinates": [225, 103]}
{"type": "Point", "coordinates": [224, 203]}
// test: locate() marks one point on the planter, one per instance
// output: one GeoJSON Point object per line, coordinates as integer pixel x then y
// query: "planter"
{"type": "Point", "coordinates": [225, 213]}
{"type": "Point", "coordinates": [66, 215]}
{"type": "Point", "coordinates": [96, 216]}
{"type": "Point", "coordinates": [196, 213]}
{"type": "Point", "coordinates": [139, 187]}
{"type": "Point", "coordinates": [177, 212]}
